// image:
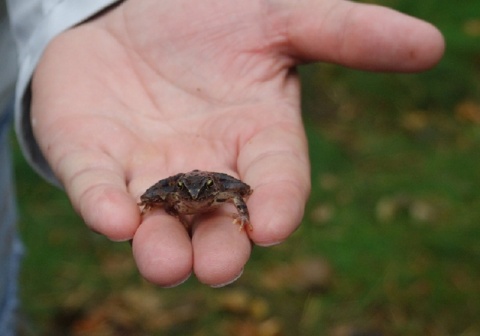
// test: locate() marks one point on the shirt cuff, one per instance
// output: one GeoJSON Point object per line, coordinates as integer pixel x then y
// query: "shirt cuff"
{"type": "Point", "coordinates": [58, 18]}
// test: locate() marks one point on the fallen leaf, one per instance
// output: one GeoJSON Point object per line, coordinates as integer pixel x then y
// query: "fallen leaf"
{"type": "Point", "coordinates": [415, 121]}
{"type": "Point", "coordinates": [271, 327]}
{"type": "Point", "coordinates": [259, 308]}
{"type": "Point", "coordinates": [420, 210]}
{"type": "Point", "coordinates": [328, 181]}
{"type": "Point", "coordinates": [322, 213]}
{"type": "Point", "coordinates": [302, 275]}
{"type": "Point", "coordinates": [389, 207]}
{"type": "Point", "coordinates": [468, 111]}
{"type": "Point", "coordinates": [472, 28]}
{"type": "Point", "coordinates": [235, 301]}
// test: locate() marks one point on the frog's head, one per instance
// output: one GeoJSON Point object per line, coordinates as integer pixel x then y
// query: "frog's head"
{"type": "Point", "coordinates": [197, 185]}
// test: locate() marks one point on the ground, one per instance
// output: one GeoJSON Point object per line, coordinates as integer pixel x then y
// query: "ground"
{"type": "Point", "coordinates": [388, 245]}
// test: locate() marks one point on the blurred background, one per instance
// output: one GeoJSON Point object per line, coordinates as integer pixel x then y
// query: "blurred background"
{"type": "Point", "coordinates": [389, 245]}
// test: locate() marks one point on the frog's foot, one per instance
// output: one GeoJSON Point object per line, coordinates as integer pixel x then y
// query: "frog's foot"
{"type": "Point", "coordinates": [242, 221]}
{"type": "Point", "coordinates": [145, 207]}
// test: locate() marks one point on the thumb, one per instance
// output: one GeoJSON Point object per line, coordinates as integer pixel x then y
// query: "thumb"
{"type": "Point", "coordinates": [363, 36]}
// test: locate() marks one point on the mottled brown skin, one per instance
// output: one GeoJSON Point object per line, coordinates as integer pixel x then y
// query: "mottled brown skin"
{"type": "Point", "coordinates": [198, 192]}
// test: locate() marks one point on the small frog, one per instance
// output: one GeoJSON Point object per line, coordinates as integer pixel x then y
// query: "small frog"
{"type": "Point", "coordinates": [197, 192]}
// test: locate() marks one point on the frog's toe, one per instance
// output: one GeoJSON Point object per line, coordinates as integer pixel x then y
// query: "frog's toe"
{"type": "Point", "coordinates": [242, 221]}
{"type": "Point", "coordinates": [144, 207]}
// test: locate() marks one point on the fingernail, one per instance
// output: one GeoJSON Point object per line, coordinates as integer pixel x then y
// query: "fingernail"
{"type": "Point", "coordinates": [269, 244]}
{"type": "Point", "coordinates": [121, 240]}
{"type": "Point", "coordinates": [229, 282]}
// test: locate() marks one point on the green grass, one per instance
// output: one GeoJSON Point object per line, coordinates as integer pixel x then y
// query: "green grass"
{"type": "Point", "coordinates": [395, 171]}
{"type": "Point", "coordinates": [422, 272]}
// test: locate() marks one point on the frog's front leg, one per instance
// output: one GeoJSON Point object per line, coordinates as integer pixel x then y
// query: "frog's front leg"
{"type": "Point", "coordinates": [243, 217]}
{"type": "Point", "coordinates": [145, 206]}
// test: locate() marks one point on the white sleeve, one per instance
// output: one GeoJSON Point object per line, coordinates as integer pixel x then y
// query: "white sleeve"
{"type": "Point", "coordinates": [34, 23]}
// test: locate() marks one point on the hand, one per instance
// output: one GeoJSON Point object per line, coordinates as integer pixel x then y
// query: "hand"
{"type": "Point", "coordinates": [153, 88]}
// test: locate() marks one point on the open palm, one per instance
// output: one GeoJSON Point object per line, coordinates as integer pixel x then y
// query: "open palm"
{"type": "Point", "coordinates": [154, 88]}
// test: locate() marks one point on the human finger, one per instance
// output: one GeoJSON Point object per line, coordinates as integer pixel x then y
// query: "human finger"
{"type": "Point", "coordinates": [220, 248]}
{"type": "Point", "coordinates": [162, 249]}
{"type": "Point", "coordinates": [96, 187]}
{"type": "Point", "coordinates": [275, 162]}
{"type": "Point", "coordinates": [362, 36]}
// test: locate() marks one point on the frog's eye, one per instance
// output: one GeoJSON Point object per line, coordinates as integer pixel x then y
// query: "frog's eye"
{"type": "Point", "coordinates": [180, 184]}
{"type": "Point", "coordinates": [209, 182]}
